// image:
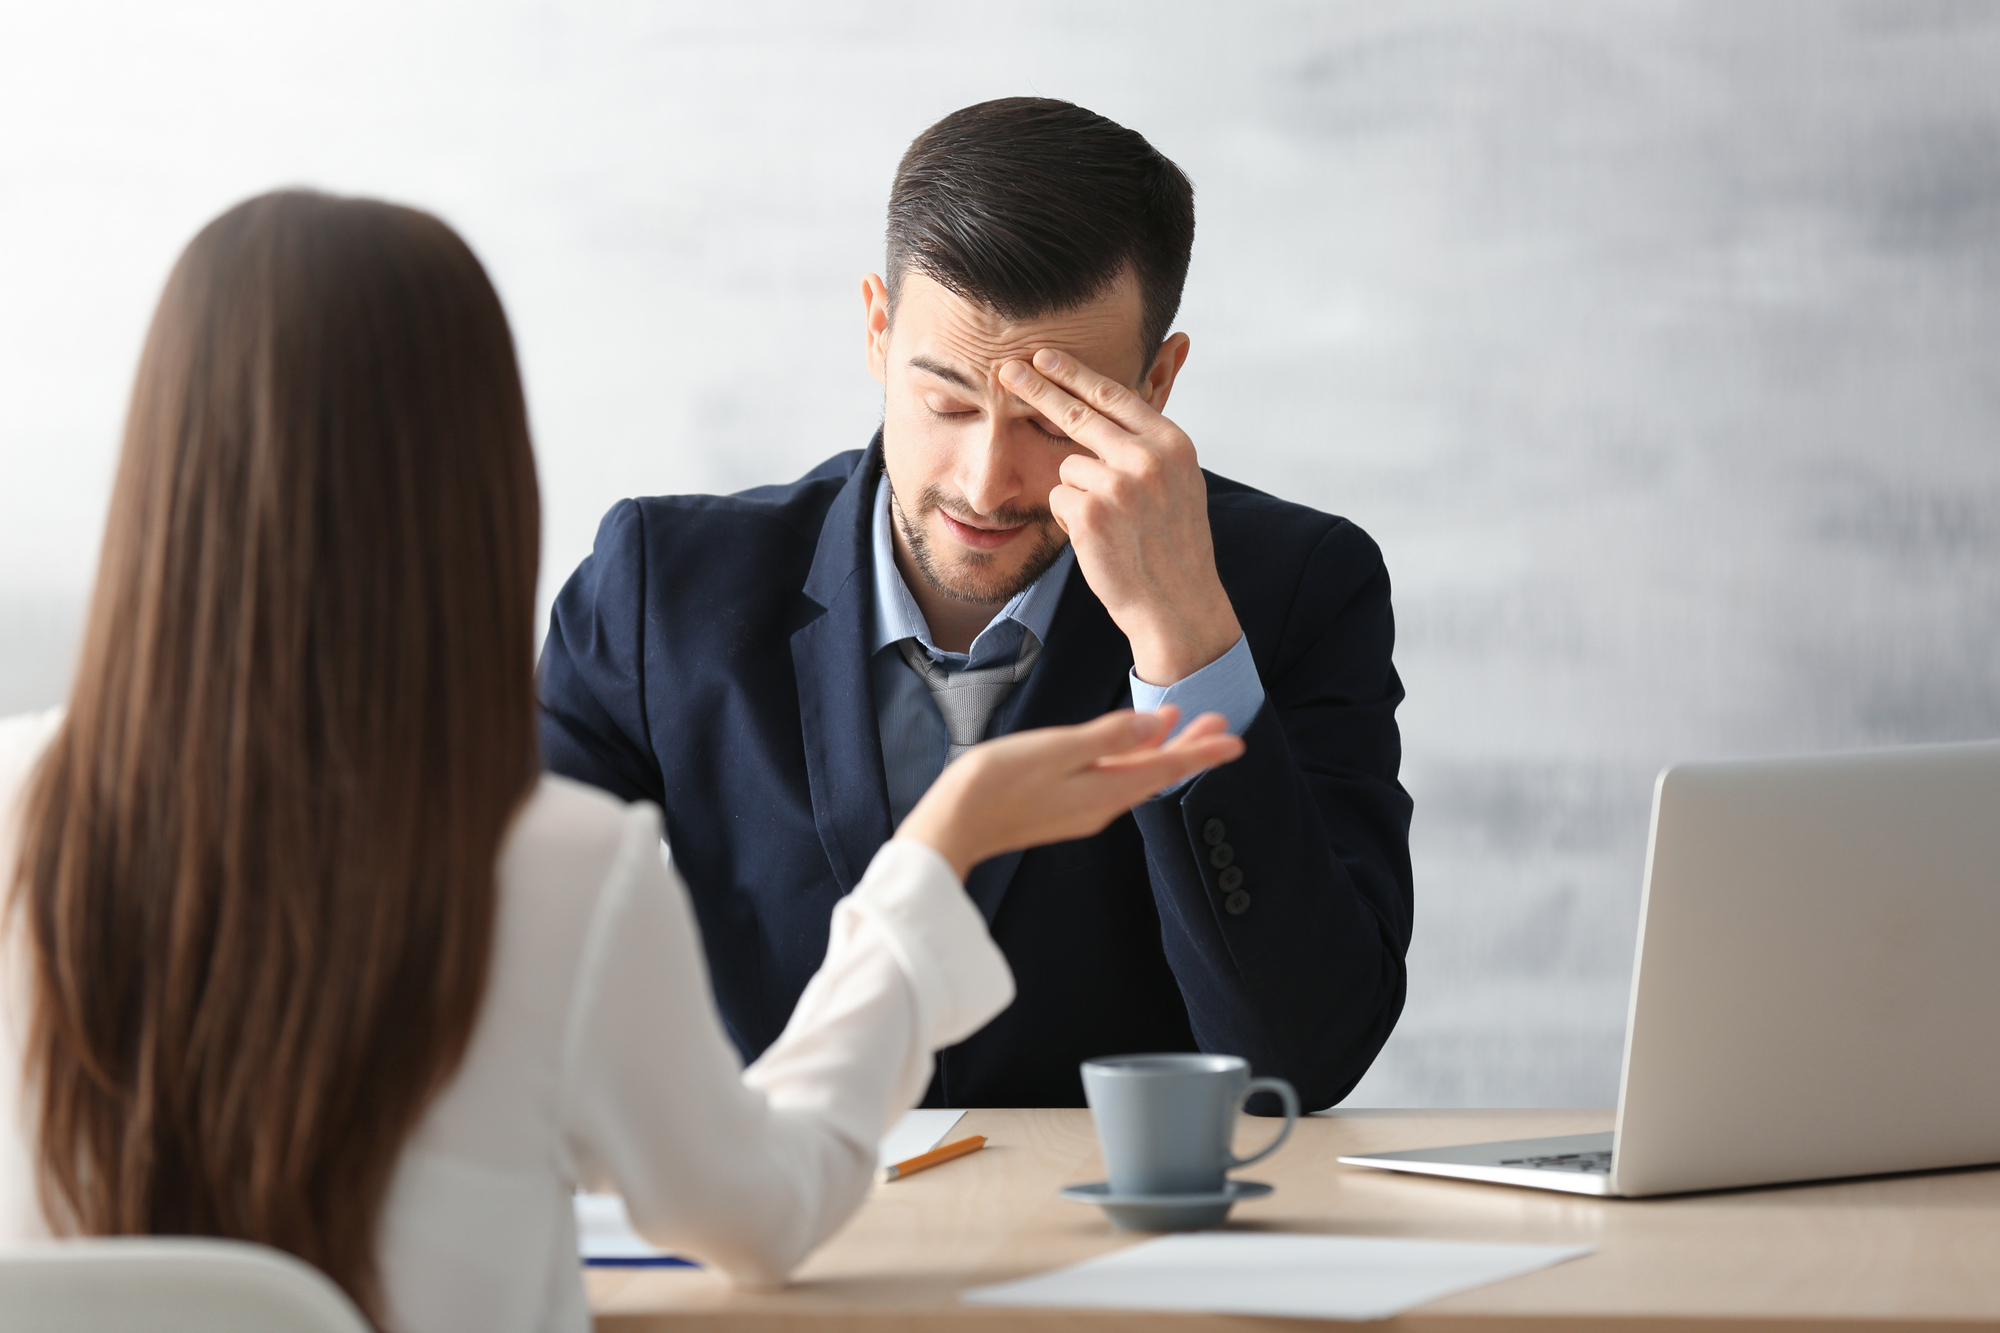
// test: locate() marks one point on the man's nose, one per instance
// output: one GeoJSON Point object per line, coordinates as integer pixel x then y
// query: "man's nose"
{"type": "Point", "coordinates": [987, 474]}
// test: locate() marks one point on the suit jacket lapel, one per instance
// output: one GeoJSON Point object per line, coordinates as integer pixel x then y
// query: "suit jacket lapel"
{"type": "Point", "coordinates": [850, 798]}
{"type": "Point", "coordinates": [1081, 674]}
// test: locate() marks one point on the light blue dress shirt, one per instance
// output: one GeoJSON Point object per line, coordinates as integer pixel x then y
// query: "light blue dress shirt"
{"type": "Point", "coordinates": [914, 739]}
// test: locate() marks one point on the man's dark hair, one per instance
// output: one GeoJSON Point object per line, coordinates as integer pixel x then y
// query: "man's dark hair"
{"type": "Point", "coordinates": [1030, 206]}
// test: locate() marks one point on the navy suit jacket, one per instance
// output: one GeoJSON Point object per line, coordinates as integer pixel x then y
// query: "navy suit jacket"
{"type": "Point", "coordinates": [711, 656]}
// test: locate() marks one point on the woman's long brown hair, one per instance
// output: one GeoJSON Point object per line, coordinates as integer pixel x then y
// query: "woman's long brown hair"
{"type": "Point", "coordinates": [257, 863]}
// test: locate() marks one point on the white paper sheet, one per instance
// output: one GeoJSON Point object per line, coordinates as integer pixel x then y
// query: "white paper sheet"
{"type": "Point", "coordinates": [915, 1134]}
{"type": "Point", "coordinates": [1303, 1277]}
{"type": "Point", "coordinates": [604, 1234]}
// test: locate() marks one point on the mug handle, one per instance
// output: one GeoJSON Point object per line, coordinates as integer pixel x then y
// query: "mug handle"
{"type": "Point", "coordinates": [1290, 1097]}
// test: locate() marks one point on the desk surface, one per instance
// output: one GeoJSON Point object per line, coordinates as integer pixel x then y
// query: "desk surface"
{"type": "Point", "coordinates": [1872, 1254]}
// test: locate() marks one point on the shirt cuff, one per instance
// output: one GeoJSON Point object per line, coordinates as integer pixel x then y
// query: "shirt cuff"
{"type": "Point", "coordinates": [1229, 685]}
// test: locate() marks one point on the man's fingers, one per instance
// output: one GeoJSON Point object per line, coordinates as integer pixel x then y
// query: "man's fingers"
{"type": "Point", "coordinates": [1078, 420]}
{"type": "Point", "coordinates": [1087, 472]}
{"type": "Point", "coordinates": [1102, 393]}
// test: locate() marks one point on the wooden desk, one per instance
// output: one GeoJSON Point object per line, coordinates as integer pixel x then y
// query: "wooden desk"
{"type": "Point", "coordinates": [1877, 1254]}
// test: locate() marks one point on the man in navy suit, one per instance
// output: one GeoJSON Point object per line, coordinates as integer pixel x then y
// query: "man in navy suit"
{"type": "Point", "coordinates": [1026, 541]}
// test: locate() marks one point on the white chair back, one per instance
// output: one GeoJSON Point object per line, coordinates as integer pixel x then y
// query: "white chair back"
{"type": "Point", "coordinates": [167, 1285]}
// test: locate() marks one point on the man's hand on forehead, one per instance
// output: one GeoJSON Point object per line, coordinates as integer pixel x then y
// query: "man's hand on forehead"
{"type": "Point", "coordinates": [1136, 509]}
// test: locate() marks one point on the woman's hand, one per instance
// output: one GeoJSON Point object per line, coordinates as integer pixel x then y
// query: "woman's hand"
{"type": "Point", "coordinates": [1057, 783]}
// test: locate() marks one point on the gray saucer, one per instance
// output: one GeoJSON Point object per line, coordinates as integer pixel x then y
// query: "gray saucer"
{"type": "Point", "coordinates": [1166, 1212]}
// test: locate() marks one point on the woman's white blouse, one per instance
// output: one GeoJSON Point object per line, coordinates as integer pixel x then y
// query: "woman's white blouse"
{"type": "Point", "coordinates": [599, 1061]}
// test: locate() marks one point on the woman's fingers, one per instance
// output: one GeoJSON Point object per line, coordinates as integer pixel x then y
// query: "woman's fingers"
{"type": "Point", "coordinates": [1135, 778]}
{"type": "Point", "coordinates": [1061, 782]}
{"type": "Point", "coordinates": [1203, 743]}
{"type": "Point", "coordinates": [1202, 729]}
{"type": "Point", "coordinates": [1124, 739]}
{"type": "Point", "coordinates": [1122, 732]}
{"type": "Point", "coordinates": [1208, 724]}
{"type": "Point", "coordinates": [1203, 752]}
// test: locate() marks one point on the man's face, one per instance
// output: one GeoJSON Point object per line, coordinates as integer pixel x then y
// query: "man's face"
{"type": "Point", "coordinates": [970, 465]}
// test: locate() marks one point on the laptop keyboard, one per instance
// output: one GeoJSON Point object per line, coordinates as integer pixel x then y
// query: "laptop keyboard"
{"type": "Point", "coordinates": [1584, 1163]}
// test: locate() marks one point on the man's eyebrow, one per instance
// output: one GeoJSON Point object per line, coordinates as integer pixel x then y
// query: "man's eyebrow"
{"type": "Point", "coordinates": [944, 372]}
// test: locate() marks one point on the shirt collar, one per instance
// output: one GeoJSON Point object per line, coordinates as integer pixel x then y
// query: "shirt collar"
{"type": "Point", "coordinates": [897, 616]}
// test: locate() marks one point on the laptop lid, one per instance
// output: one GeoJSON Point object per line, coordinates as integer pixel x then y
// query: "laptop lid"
{"type": "Point", "coordinates": [1817, 989]}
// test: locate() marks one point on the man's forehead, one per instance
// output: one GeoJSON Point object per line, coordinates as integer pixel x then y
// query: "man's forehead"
{"type": "Point", "coordinates": [965, 342]}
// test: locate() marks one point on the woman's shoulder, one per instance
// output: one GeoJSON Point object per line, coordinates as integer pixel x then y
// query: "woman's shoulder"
{"type": "Point", "coordinates": [23, 738]}
{"type": "Point", "coordinates": [568, 873]}
{"type": "Point", "coordinates": [574, 839]}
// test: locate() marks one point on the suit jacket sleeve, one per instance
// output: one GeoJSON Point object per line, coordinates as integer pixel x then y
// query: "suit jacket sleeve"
{"type": "Point", "coordinates": [593, 669]}
{"type": "Point", "coordinates": [1306, 978]}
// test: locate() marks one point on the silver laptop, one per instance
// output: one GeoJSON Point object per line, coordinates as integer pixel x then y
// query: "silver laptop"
{"type": "Point", "coordinates": [1817, 989]}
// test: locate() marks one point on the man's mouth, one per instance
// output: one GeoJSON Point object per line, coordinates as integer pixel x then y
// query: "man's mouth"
{"type": "Point", "coordinates": [980, 539]}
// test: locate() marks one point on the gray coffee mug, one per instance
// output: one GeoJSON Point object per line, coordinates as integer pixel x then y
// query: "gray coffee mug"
{"type": "Point", "coordinates": [1165, 1121]}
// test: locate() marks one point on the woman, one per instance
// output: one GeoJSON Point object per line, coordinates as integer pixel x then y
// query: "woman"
{"type": "Point", "coordinates": [300, 947]}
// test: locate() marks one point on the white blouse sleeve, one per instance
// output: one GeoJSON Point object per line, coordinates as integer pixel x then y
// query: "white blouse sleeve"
{"type": "Point", "coordinates": [748, 1170]}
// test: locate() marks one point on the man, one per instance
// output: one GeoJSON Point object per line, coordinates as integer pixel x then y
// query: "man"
{"type": "Point", "coordinates": [1027, 541]}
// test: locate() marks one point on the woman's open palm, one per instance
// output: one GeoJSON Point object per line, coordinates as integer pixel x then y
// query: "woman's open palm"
{"type": "Point", "coordinates": [1057, 783]}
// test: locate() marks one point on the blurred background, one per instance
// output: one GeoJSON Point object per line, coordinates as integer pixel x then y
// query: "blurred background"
{"type": "Point", "coordinates": [1656, 344]}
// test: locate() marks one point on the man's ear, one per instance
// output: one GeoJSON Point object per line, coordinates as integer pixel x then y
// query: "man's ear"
{"type": "Point", "coordinates": [875, 304]}
{"type": "Point", "coordinates": [1166, 367]}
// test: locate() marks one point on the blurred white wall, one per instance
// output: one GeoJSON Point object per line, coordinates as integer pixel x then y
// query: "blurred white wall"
{"type": "Point", "coordinates": [1656, 343]}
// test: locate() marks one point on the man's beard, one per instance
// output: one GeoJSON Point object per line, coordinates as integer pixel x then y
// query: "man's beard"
{"type": "Point", "coordinates": [973, 578]}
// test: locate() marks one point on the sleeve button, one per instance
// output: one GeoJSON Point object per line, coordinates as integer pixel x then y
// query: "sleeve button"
{"type": "Point", "coordinates": [1213, 832]}
{"type": "Point", "coordinates": [1237, 903]}
{"type": "Point", "coordinates": [1221, 855]}
{"type": "Point", "coordinates": [1231, 879]}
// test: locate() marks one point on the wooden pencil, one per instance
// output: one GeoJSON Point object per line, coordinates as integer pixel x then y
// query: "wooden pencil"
{"type": "Point", "coordinates": [924, 1161]}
